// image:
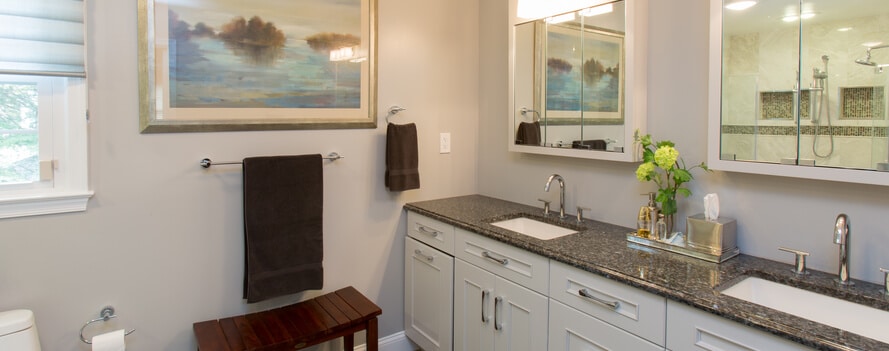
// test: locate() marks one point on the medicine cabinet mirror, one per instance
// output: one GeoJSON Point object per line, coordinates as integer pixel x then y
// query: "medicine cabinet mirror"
{"type": "Point", "coordinates": [798, 88]}
{"type": "Point", "coordinates": [578, 81]}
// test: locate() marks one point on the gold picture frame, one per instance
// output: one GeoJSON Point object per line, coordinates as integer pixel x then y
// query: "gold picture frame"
{"type": "Point", "coordinates": [237, 66]}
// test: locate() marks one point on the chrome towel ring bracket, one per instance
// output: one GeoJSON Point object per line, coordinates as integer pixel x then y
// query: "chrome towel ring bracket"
{"type": "Point", "coordinates": [106, 314]}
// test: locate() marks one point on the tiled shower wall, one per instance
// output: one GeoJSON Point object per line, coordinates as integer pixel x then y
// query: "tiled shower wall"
{"type": "Point", "coordinates": [759, 120]}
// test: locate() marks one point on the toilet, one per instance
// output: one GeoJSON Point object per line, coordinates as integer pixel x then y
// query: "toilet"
{"type": "Point", "coordinates": [18, 332]}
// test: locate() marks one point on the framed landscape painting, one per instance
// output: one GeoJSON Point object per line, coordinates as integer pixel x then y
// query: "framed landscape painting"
{"type": "Point", "coordinates": [227, 65]}
{"type": "Point", "coordinates": [584, 75]}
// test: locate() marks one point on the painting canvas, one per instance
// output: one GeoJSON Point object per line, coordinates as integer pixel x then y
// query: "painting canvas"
{"type": "Point", "coordinates": [584, 77]}
{"type": "Point", "coordinates": [247, 65]}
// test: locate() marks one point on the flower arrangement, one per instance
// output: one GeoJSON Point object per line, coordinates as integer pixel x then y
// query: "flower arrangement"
{"type": "Point", "coordinates": [662, 165]}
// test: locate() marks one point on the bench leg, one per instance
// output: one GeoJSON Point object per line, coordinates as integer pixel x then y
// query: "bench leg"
{"type": "Point", "coordinates": [349, 342]}
{"type": "Point", "coordinates": [372, 337]}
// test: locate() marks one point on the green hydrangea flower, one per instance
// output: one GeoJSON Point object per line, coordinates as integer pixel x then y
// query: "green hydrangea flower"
{"type": "Point", "coordinates": [666, 156]}
{"type": "Point", "coordinates": [645, 171]}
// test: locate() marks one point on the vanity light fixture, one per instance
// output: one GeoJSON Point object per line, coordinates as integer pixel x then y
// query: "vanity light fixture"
{"type": "Point", "coordinates": [844, 29]}
{"type": "Point", "coordinates": [740, 5]}
{"type": "Point", "coordinates": [598, 10]}
{"type": "Point", "coordinates": [565, 17]}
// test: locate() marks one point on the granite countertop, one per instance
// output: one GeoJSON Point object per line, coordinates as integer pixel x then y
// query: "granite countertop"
{"type": "Point", "coordinates": [603, 249]}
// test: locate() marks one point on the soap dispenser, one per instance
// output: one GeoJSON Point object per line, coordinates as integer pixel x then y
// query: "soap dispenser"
{"type": "Point", "coordinates": [647, 220]}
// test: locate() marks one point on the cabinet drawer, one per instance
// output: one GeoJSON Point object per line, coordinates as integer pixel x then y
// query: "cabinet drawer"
{"type": "Point", "coordinates": [520, 266]}
{"type": "Point", "coordinates": [692, 329]}
{"type": "Point", "coordinates": [431, 232]}
{"type": "Point", "coordinates": [628, 308]}
{"type": "Point", "coordinates": [570, 329]}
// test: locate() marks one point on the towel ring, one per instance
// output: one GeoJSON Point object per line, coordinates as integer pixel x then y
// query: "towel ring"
{"type": "Point", "coordinates": [394, 110]}
{"type": "Point", "coordinates": [106, 314]}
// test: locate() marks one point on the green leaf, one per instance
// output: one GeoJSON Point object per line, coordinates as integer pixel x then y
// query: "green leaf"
{"type": "Point", "coordinates": [647, 156]}
{"type": "Point", "coordinates": [665, 143]}
{"type": "Point", "coordinates": [681, 175]}
{"type": "Point", "coordinates": [684, 192]}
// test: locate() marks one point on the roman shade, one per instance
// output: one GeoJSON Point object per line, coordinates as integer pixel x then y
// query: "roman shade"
{"type": "Point", "coordinates": [42, 37]}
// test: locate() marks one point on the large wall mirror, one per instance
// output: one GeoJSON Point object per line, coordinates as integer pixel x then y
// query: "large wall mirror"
{"type": "Point", "coordinates": [798, 88]}
{"type": "Point", "coordinates": [578, 81]}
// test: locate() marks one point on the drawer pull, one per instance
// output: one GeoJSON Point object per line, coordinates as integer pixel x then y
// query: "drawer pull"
{"type": "Point", "coordinates": [485, 297]}
{"type": "Point", "coordinates": [425, 230]}
{"type": "Point", "coordinates": [420, 253]}
{"type": "Point", "coordinates": [502, 261]}
{"type": "Point", "coordinates": [497, 301]}
{"type": "Point", "coordinates": [614, 305]}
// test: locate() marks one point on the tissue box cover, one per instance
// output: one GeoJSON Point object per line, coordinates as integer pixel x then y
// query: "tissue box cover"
{"type": "Point", "coordinates": [714, 237]}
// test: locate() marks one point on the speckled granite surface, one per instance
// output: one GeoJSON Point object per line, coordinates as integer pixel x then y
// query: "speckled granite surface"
{"type": "Point", "coordinates": [602, 248]}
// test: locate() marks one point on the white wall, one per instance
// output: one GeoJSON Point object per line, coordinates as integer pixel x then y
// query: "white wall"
{"type": "Point", "coordinates": [771, 211]}
{"type": "Point", "coordinates": [162, 238]}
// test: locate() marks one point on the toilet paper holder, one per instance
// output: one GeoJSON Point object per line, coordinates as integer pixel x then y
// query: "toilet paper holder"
{"type": "Point", "coordinates": [104, 315]}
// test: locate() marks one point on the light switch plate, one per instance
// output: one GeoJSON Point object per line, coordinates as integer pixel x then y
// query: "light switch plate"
{"type": "Point", "coordinates": [444, 145]}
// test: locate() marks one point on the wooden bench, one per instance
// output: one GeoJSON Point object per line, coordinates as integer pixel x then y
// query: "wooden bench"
{"type": "Point", "coordinates": [338, 314]}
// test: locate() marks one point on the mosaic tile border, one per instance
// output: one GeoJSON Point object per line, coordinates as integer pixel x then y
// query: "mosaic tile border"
{"type": "Point", "coordinates": [847, 131]}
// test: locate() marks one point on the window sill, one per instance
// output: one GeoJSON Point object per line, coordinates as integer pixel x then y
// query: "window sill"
{"type": "Point", "coordinates": [42, 204]}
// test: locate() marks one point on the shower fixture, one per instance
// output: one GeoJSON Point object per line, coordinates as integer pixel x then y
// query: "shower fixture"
{"type": "Point", "coordinates": [820, 86]}
{"type": "Point", "coordinates": [866, 60]}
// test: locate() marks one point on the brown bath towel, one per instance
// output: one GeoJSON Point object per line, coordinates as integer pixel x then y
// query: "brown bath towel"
{"type": "Point", "coordinates": [401, 157]}
{"type": "Point", "coordinates": [528, 133]}
{"type": "Point", "coordinates": [283, 202]}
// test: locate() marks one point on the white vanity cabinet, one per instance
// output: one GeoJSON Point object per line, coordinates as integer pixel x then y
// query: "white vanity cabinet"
{"type": "Point", "coordinates": [692, 329]}
{"type": "Point", "coordinates": [429, 283]}
{"type": "Point", "coordinates": [588, 311]}
{"type": "Point", "coordinates": [494, 306]}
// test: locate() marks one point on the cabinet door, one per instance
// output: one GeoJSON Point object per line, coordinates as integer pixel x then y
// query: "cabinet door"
{"type": "Point", "coordinates": [520, 318]}
{"type": "Point", "coordinates": [572, 330]}
{"type": "Point", "coordinates": [473, 307]}
{"type": "Point", "coordinates": [428, 288]}
{"type": "Point", "coordinates": [691, 329]}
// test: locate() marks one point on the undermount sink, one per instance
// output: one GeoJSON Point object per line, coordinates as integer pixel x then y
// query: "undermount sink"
{"type": "Point", "coordinates": [841, 314]}
{"type": "Point", "coordinates": [534, 228]}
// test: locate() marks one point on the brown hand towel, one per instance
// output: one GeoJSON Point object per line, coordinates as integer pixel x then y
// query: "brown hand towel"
{"type": "Point", "coordinates": [283, 201]}
{"type": "Point", "coordinates": [528, 133]}
{"type": "Point", "coordinates": [401, 157]}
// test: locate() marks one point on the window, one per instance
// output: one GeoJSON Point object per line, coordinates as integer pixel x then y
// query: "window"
{"type": "Point", "coordinates": [43, 126]}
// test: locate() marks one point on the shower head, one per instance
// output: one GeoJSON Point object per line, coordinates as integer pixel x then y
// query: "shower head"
{"type": "Point", "coordinates": [866, 62]}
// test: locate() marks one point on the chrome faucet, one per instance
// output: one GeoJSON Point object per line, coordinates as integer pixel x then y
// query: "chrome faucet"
{"type": "Point", "coordinates": [561, 192]}
{"type": "Point", "coordinates": [841, 236]}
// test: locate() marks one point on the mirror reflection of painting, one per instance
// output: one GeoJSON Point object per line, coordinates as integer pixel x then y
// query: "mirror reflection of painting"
{"type": "Point", "coordinates": [231, 57]}
{"type": "Point", "coordinates": [591, 79]}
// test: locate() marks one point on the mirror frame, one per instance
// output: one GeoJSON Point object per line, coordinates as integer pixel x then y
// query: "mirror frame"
{"type": "Point", "coordinates": [635, 83]}
{"type": "Point", "coordinates": [714, 128]}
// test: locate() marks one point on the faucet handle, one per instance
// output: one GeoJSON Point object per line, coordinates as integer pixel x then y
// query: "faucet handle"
{"type": "Point", "coordinates": [545, 206]}
{"type": "Point", "coordinates": [580, 210]}
{"type": "Point", "coordinates": [800, 266]}
{"type": "Point", "coordinates": [885, 281]}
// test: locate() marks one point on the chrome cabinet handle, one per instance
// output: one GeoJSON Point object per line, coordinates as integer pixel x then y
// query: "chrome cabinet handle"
{"type": "Point", "coordinates": [497, 302]}
{"type": "Point", "coordinates": [502, 261]}
{"type": "Point", "coordinates": [614, 305]}
{"type": "Point", "coordinates": [423, 229]}
{"type": "Point", "coordinates": [485, 316]}
{"type": "Point", "coordinates": [420, 253]}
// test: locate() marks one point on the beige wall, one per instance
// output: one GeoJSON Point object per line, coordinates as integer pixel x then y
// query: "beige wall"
{"type": "Point", "coordinates": [162, 238]}
{"type": "Point", "coordinates": [771, 211]}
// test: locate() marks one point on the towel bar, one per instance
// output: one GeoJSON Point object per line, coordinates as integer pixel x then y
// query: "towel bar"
{"type": "Point", "coordinates": [206, 163]}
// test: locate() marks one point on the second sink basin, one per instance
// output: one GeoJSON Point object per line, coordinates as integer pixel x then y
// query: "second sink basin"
{"type": "Point", "coordinates": [534, 228]}
{"type": "Point", "coordinates": [841, 314]}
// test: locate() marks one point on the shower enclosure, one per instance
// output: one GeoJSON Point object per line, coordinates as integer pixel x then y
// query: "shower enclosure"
{"type": "Point", "coordinates": [803, 83]}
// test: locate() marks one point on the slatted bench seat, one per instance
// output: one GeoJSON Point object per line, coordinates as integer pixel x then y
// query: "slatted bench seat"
{"type": "Point", "coordinates": [338, 314]}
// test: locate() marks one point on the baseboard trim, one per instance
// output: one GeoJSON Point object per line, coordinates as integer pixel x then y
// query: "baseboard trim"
{"type": "Point", "coordinates": [394, 342]}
